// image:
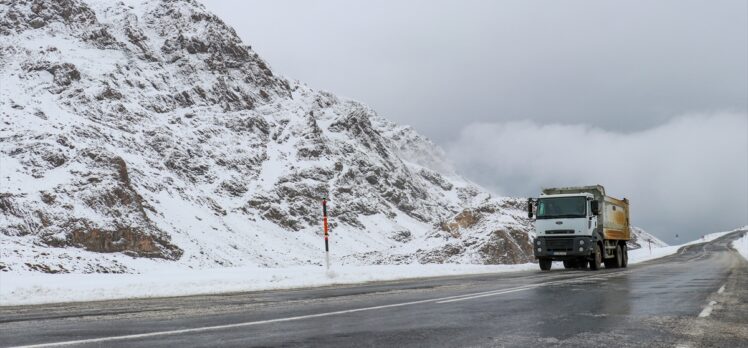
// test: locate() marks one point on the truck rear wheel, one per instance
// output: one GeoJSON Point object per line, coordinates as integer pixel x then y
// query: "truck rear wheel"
{"type": "Point", "coordinates": [616, 261]}
{"type": "Point", "coordinates": [545, 264]}
{"type": "Point", "coordinates": [568, 264]}
{"type": "Point", "coordinates": [619, 257]}
{"type": "Point", "coordinates": [597, 258]}
{"type": "Point", "coordinates": [625, 256]}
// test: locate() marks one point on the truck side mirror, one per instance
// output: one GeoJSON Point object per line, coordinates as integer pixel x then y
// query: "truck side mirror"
{"type": "Point", "coordinates": [595, 207]}
{"type": "Point", "coordinates": [529, 208]}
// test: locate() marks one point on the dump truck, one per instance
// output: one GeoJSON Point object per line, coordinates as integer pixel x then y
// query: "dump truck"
{"type": "Point", "coordinates": [580, 226]}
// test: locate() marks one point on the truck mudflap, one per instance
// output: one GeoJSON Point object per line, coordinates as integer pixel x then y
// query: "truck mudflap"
{"type": "Point", "coordinates": [560, 248]}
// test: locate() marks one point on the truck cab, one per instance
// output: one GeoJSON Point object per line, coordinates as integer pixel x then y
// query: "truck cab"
{"type": "Point", "coordinates": [569, 228]}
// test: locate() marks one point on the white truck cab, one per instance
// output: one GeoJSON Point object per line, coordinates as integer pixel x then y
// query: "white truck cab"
{"type": "Point", "coordinates": [579, 225]}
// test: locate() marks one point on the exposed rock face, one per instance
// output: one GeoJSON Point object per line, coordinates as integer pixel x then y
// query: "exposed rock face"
{"type": "Point", "coordinates": [138, 130]}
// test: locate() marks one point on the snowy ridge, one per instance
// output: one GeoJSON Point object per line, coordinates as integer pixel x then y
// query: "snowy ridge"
{"type": "Point", "coordinates": [138, 134]}
{"type": "Point", "coordinates": [640, 238]}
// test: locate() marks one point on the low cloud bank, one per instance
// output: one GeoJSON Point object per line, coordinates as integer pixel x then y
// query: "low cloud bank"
{"type": "Point", "coordinates": [688, 176]}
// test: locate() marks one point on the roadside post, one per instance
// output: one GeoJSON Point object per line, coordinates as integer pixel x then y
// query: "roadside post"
{"type": "Point", "coordinates": [650, 246]}
{"type": "Point", "coordinates": [325, 228]}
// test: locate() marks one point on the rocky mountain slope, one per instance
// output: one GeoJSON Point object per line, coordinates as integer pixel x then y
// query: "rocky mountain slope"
{"type": "Point", "coordinates": [140, 133]}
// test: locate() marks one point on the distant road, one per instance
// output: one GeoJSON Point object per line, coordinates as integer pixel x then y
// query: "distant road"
{"type": "Point", "coordinates": [697, 297]}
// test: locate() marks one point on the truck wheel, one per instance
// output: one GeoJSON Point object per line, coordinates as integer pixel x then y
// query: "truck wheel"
{"type": "Point", "coordinates": [597, 258]}
{"type": "Point", "coordinates": [545, 264]}
{"type": "Point", "coordinates": [625, 255]}
{"type": "Point", "coordinates": [570, 264]}
{"type": "Point", "coordinates": [619, 257]}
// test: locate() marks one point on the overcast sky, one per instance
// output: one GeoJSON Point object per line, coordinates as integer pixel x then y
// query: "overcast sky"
{"type": "Point", "coordinates": [648, 98]}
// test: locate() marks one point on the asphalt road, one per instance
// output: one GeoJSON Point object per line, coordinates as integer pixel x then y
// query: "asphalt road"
{"type": "Point", "coordinates": [696, 298]}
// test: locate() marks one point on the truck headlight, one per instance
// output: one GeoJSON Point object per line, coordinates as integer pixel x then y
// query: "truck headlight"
{"type": "Point", "coordinates": [581, 242]}
{"type": "Point", "coordinates": [581, 249]}
{"type": "Point", "coordinates": [540, 249]}
{"type": "Point", "coordinates": [537, 242]}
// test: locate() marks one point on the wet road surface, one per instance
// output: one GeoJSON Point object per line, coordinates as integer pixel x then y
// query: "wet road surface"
{"type": "Point", "coordinates": [696, 298]}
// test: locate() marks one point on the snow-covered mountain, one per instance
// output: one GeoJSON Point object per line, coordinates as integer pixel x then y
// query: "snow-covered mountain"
{"type": "Point", "coordinates": [139, 133]}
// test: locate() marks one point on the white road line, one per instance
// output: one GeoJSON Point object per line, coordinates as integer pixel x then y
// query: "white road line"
{"type": "Point", "coordinates": [707, 310]}
{"type": "Point", "coordinates": [327, 314]}
{"type": "Point", "coordinates": [489, 294]}
{"type": "Point", "coordinates": [559, 282]}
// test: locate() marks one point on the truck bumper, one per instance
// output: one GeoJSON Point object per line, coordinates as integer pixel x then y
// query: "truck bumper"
{"type": "Point", "coordinates": [562, 248]}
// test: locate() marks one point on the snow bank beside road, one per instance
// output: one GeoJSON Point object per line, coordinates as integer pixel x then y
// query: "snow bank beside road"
{"type": "Point", "coordinates": [36, 288]}
{"type": "Point", "coordinates": [24, 288]}
{"type": "Point", "coordinates": [644, 254]}
{"type": "Point", "coordinates": [741, 245]}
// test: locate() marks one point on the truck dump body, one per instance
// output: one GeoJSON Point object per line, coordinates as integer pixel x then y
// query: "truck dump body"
{"type": "Point", "coordinates": [615, 216]}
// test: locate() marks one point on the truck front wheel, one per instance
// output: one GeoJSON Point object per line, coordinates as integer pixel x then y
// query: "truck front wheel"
{"type": "Point", "coordinates": [545, 264]}
{"type": "Point", "coordinates": [597, 258]}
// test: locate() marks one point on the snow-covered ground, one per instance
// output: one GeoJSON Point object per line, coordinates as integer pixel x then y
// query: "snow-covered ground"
{"type": "Point", "coordinates": [644, 254]}
{"type": "Point", "coordinates": [713, 236]}
{"type": "Point", "coordinates": [741, 245]}
{"type": "Point", "coordinates": [35, 288]}
{"type": "Point", "coordinates": [18, 289]}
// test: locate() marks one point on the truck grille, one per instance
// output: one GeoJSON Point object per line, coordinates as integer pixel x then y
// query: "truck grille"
{"type": "Point", "coordinates": [559, 244]}
{"type": "Point", "coordinates": [559, 232]}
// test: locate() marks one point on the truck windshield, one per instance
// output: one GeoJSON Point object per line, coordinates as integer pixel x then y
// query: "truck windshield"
{"type": "Point", "coordinates": [562, 207]}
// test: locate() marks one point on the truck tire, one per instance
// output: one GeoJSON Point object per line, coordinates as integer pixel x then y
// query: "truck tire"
{"type": "Point", "coordinates": [597, 258]}
{"type": "Point", "coordinates": [545, 264]}
{"type": "Point", "coordinates": [625, 255]}
{"type": "Point", "coordinates": [618, 263]}
{"type": "Point", "coordinates": [569, 264]}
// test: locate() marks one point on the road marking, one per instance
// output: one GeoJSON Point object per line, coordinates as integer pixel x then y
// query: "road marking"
{"type": "Point", "coordinates": [488, 294]}
{"type": "Point", "coordinates": [216, 327]}
{"type": "Point", "coordinates": [506, 291]}
{"type": "Point", "coordinates": [707, 310]}
{"type": "Point", "coordinates": [318, 315]}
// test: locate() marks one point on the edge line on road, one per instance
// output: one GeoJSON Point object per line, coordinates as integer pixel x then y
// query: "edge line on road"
{"type": "Point", "coordinates": [707, 310]}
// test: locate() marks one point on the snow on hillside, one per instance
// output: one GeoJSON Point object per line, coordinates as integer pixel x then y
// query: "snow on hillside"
{"type": "Point", "coordinates": [141, 134]}
{"type": "Point", "coordinates": [641, 238]}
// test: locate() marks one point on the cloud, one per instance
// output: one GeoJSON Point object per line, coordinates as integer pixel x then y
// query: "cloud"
{"type": "Point", "coordinates": [688, 176]}
{"type": "Point", "coordinates": [497, 61]}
